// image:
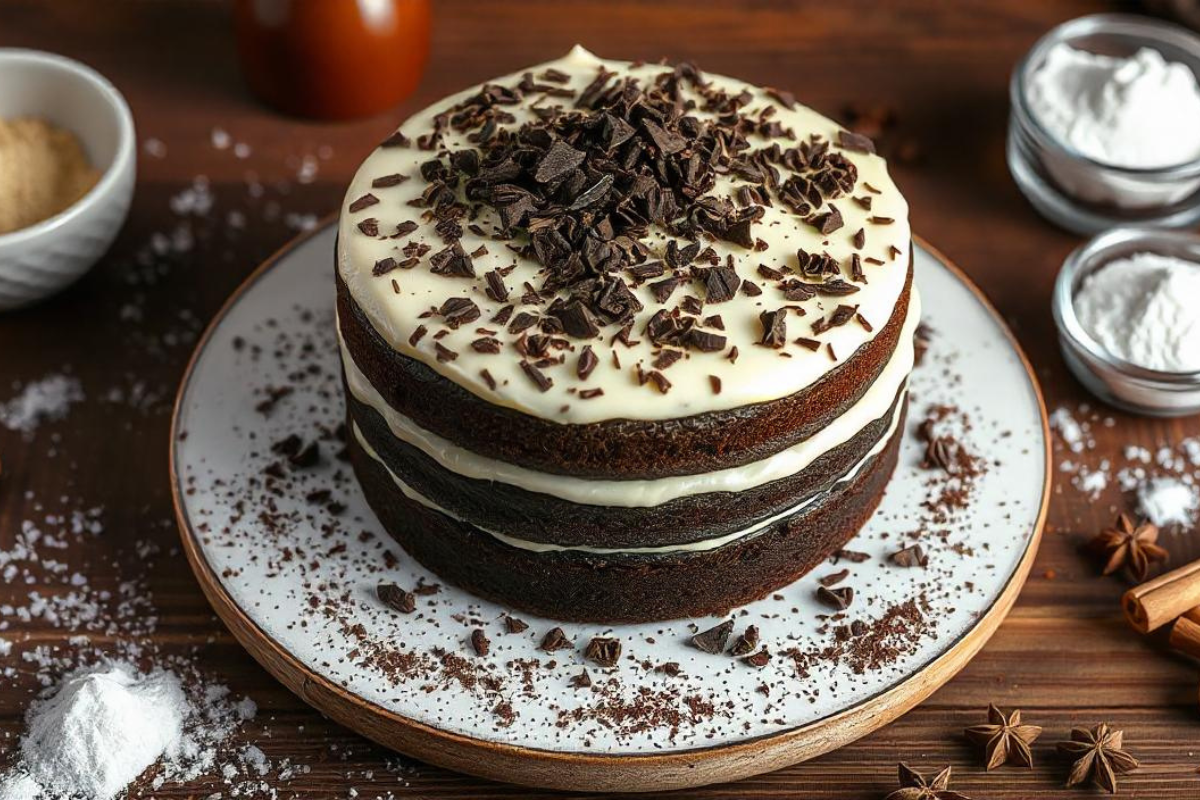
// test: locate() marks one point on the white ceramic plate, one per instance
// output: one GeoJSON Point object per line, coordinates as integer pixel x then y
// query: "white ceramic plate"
{"type": "Point", "coordinates": [296, 581]}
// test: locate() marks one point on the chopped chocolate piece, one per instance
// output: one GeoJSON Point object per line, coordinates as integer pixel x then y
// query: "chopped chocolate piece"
{"type": "Point", "coordinates": [864, 202]}
{"type": "Point", "coordinates": [453, 262]}
{"type": "Point", "coordinates": [588, 394]}
{"type": "Point", "coordinates": [404, 229]}
{"type": "Point", "coordinates": [720, 284]}
{"type": "Point", "coordinates": [853, 556]}
{"type": "Point", "coordinates": [581, 681]}
{"type": "Point", "coordinates": [666, 358]}
{"type": "Point", "coordinates": [855, 142]}
{"type": "Point", "coordinates": [861, 320]}
{"type": "Point", "coordinates": [555, 639]}
{"type": "Point", "coordinates": [774, 325]}
{"type": "Point", "coordinates": [307, 457]}
{"type": "Point", "coordinates": [369, 226]}
{"type": "Point", "coordinates": [594, 194]}
{"type": "Point", "coordinates": [667, 142]}
{"type": "Point", "coordinates": [396, 598]}
{"type": "Point", "coordinates": [537, 376]}
{"type": "Point", "coordinates": [417, 335]}
{"type": "Point", "coordinates": [745, 644]}
{"type": "Point", "coordinates": [383, 266]}
{"type": "Point", "coordinates": [643, 272]}
{"type": "Point", "coordinates": [559, 160]}
{"type": "Point", "coordinates": [713, 640]}
{"type": "Point", "coordinates": [488, 379]}
{"type": "Point", "coordinates": [836, 598]}
{"type": "Point", "coordinates": [603, 650]}
{"type": "Point", "coordinates": [759, 659]}
{"type": "Point", "coordinates": [704, 341]}
{"type": "Point", "coordinates": [488, 345]}
{"type": "Point", "coordinates": [786, 99]}
{"type": "Point", "coordinates": [514, 625]}
{"type": "Point", "coordinates": [576, 320]}
{"type": "Point", "coordinates": [662, 289]}
{"type": "Point", "coordinates": [444, 354]}
{"type": "Point", "coordinates": [880, 220]}
{"type": "Point", "coordinates": [911, 556]}
{"type": "Point", "coordinates": [458, 311]}
{"type": "Point", "coordinates": [396, 139]}
{"type": "Point", "coordinates": [659, 380]}
{"type": "Point", "coordinates": [811, 344]}
{"type": "Point", "coordinates": [860, 239]}
{"type": "Point", "coordinates": [770, 273]}
{"type": "Point", "coordinates": [828, 222]}
{"type": "Point", "coordinates": [496, 289]}
{"type": "Point", "coordinates": [384, 181]}
{"type": "Point", "coordinates": [366, 201]}
{"type": "Point", "coordinates": [480, 642]}
{"type": "Point", "coordinates": [715, 383]}
{"type": "Point", "coordinates": [587, 362]}
{"type": "Point", "coordinates": [834, 578]}
{"type": "Point", "coordinates": [856, 269]}
{"type": "Point", "coordinates": [750, 289]}
{"type": "Point", "coordinates": [893, 251]}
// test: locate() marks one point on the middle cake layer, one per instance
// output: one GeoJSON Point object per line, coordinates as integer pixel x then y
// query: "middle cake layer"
{"type": "Point", "coordinates": [618, 513]}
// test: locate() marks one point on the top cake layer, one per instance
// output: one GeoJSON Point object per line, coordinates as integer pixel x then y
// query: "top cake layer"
{"type": "Point", "coordinates": [592, 240]}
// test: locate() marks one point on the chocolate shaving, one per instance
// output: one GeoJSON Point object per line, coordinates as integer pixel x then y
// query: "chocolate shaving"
{"type": "Point", "coordinates": [396, 598]}
{"type": "Point", "coordinates": [836, 598]}
{"type": "Point", "coordinates": [855, 142]}
{"type": "Point", "coordinates": [555, 639]}
{"type": "Point", "coordinates": [712, 641]}
{"type": "Point", "coordinates": [603, 650]}
{"type": "Point", "coordinates": [366, 201]}
{"type": "Point", "coordinates": [911, 556]}
{"type": "Point", "coordinates": [774, 325]}
{"type": "Point", "coordinates": [537, 376]}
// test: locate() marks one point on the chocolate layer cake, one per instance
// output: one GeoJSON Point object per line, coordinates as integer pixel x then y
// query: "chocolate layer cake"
{"type": "Point", "coordinates": [621, 341]}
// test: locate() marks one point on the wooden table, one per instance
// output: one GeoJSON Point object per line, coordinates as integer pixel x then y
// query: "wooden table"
{"type": "Point", "coordinates": [1064, 656]}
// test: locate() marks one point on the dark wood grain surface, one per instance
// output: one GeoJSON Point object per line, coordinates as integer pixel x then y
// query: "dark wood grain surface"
{"type": "Point", "coordinates": [1065, 656]}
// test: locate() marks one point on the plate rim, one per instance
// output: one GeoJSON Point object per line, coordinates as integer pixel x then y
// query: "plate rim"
{"type": "Point", "coordinates": [644, 772]}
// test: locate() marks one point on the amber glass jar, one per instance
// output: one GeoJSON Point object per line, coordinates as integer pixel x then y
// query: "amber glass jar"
{"type": "Point", "coordinates": [332, 59]}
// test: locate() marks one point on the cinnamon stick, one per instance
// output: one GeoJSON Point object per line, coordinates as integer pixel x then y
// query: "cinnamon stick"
{"type": "Point", "coordinates": [1159, 601]}
{"type": "Point", "coordinates": [1185, 636]}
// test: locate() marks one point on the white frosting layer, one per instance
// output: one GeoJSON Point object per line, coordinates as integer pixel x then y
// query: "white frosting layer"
{"type": "Point", "coordinates": [874, 403]}
{"type": "Point", "coordinates": [706, 544]}
{"type": "Point", "coordinates": [760, 373]}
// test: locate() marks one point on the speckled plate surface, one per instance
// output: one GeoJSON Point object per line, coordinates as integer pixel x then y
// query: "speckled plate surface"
{"type": "Point", "coordinates": [290, 556]}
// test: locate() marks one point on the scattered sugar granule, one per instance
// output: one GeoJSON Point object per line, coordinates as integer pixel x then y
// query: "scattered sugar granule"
{"type": "Point", "coordinates": [1167, 501]}
{"type": "Point", "coordinates": [155, 148]}
{"type": "Point", "coordinates": [1068, 428]}
{"type": "Point", "coordinates": [101, 728]}
{"type": "Point", "coordinates": [46, 400]}
{"type": "Point", "coordinates": [221, 139]}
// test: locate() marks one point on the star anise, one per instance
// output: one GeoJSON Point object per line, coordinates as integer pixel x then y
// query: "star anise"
{"type": "Point", "coordinates": [1098, 755]}
{"type": "Point", "coordinates": [1130, 546]}
{"type": "Point", "coordinates": [1005, 739]}
{"type": "Point", "coordinates": [913, 786]}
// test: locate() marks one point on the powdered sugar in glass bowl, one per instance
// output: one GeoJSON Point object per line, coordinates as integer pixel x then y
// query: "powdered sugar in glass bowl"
{"type": "Point", "coordinates": [1110, 375]}
{"type": "Point", "coordinates": [1114, 72]}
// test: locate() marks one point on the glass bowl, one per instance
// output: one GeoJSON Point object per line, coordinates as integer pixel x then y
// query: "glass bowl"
{"type": "Point", "coordinates": [1113, 379]}
{"type": "Point", "coordinates": [1073, 190]}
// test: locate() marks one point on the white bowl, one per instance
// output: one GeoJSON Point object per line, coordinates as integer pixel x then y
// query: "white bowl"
{"type": "Point", "coordinates": [41, 259]}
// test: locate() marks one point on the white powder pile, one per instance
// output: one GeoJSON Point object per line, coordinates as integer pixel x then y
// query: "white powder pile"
{"type": "Point", "coordinates": [101, 729]}
{"type": "Point", "coordinates": [46, 400]}
{"type": "Point", "coordinates": [1145, 309]}
{"type": "Point", "coordinates": [1169, 501]}
{"type": "Point", "coordinates": [1141, 111]}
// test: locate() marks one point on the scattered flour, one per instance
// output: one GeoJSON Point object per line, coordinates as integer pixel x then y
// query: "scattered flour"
{"type": "Point", "coordinates": [46, 400]}
{"type": "Point", "coordinates": [101, 729]}
{"type": "Point", "coordinates": [1168, 501]}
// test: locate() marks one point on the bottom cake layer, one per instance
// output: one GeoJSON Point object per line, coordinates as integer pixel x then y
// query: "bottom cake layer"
{"type": "Point", "coordinates": [578, 586]}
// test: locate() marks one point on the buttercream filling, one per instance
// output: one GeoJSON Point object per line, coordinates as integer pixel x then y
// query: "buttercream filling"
{"type": "Point", "coordinates": [873, 405]}
{"type": "Point", "coordinates": [691, 547]}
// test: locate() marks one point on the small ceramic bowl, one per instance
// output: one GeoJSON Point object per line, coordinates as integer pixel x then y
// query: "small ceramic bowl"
{"type": "Point", "coordinates": [1077, 192]}
{"type": "Point", "coordinates": [1111, 378]}
{"type": "Point", "coordinates": [41, 259]}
